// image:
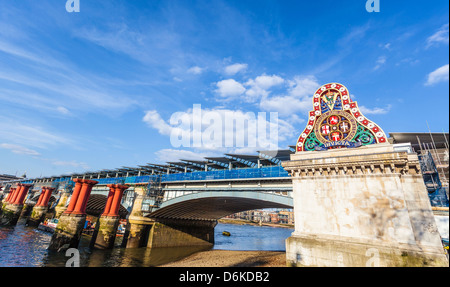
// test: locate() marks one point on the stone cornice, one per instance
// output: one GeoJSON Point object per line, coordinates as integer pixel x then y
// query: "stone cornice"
{"type": "Point", "coordinates": [351, 163]}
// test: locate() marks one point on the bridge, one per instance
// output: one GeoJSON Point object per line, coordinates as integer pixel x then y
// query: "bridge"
{"type": "Point", "coordinates": [187, 191]}
{"type": "Point", "coordinates": [245, 181]}
{"type": "Point", "coordinates": [179, 200]}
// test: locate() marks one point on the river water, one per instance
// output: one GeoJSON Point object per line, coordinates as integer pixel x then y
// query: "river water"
{"type": "Point", "coordinates": [23, 246]}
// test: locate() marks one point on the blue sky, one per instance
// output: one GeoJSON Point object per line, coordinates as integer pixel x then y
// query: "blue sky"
{"type": "Point", "coordinates": [96, 89]}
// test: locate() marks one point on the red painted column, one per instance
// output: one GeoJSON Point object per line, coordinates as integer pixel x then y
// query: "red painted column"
{"type": "Point", "coordinates": [23, 193]}
{"type": "Point", "coordinates": [85, 192]}
{"type": "Point", "coordinates": [110, 199]}
{"type": "Point", "coordinates": [75, 195]}
{"type": "Point", "coordinates": [16, 193]}
{"type": "Point", "coordinates": [41, 197]}
{"type": "Point", "coordinates": [85, 200]}
{"type": "Point", "coordinates": [13, 194]}
{"type": "Point", "coordinates": [119, 189]}
{"type": "Point", "coordinates": [46, 198]}
{"type": "Point", "coordinates": [10, 194]}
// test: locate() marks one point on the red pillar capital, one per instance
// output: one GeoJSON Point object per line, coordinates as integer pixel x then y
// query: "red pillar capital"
{"type": "Point", "coordinates": [47, 195]}
{"type": "Point", "coordinates": [16, 193]}
{"type": "Point", "coordinates": [41, 196]}
{"type": "Point", "coordinates": [85, 192]}
{"type": "Point", "coordinates": [75, 195]}
{"type": "Point", "coordinates": [118, 192]}
{"type": "Point", "coordinates": [12, 190]}
{"type": "Point", "coordinates": [23, 193]}
{"type": "Point", "coordinates": [109, 201]}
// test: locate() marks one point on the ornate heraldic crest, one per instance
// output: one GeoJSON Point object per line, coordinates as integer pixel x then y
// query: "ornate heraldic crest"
{"type": "Point", "coordinates": [337, 122]}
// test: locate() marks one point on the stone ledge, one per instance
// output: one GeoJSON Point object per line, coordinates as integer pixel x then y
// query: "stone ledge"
{"type": "Point", "coordinates": [325, 251]}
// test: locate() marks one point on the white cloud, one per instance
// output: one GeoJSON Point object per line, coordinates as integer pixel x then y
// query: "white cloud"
{"type": "Point", "coordinates": [298, 97]}
{"type": "Point", "coordinates": [441, 36]}
{"type": "Point", "coordinates": [31, 134]}
{"type": "Point", "coordinates": [233, 69]}
{"type": "Point", "coordinates": [375, 111]}
{"type": "Point", "coordinates": [19, 149]}
{"type": "Point", "coordinates": [380, 62]}
{"type": "Point", "coordinates": [196, 70]}
{"type": "Point", "coordinates": [63, 110]}
{"type": "Point", "coordinates": [438, 75]}
{"type": "Point", "coordinates": [291, 96]}
{"type": "Point", "coordinates": [285, 105]}
{"type": "Point", "coordinates": [303, 86]}
{"type": "Point", "coordinates": [265, 82]}
{"type": "Point", "coordinates": [174, 155]}
{"type": "Point", "coordinates": [71, 164]}
{"type": "Point", "coordinates": [221, 130]}
{"type": "Point", "coordinates": [57, 83]}
{"type": "Point", "coordinates": [154, 120]}
{"type": "Point", "coordinates": [229, 89]}
{"type": "Point", "coordinates": [259, 87]}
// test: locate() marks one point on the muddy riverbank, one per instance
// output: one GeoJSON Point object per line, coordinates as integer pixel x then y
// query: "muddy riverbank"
{"type": "Point", "coordinates": [232, 258]}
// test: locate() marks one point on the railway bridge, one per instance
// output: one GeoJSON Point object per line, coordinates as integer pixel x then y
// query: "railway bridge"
{"type": "Point", "coordinates": [180, 201]}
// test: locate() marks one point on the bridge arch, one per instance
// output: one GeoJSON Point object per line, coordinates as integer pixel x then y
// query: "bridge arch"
{"type": "Point", "coordinates": [213, 205]}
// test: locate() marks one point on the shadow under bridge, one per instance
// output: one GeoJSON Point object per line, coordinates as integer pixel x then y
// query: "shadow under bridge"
{"type": "Point", "coordinates": [213, 205]}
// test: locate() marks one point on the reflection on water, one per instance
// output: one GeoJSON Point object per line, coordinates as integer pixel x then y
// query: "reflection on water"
{"type": "Point", "coordinates": [247, 237]}
{"type": "Point", "coordinates": [26, 246]}
{"type": "Point", "coordinates": [122, 257]}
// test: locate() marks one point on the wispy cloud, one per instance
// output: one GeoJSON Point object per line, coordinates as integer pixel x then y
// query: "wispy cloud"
{"type": "Point", "coordinates": [74, 164]}
{"type": "Point", "coordinates": [27, 134]}
{"type": "Point", "coordinates": [196, 70]}
{"type": "Point", "coordinates": [233, 69]}
{"type": "Point", "coordinates": [19, 149]}
{"type": "Point", "coordinates": [380, 62]}
{"type": "Point", "coordinates": [175, 155]}
{"type": "Point", "coordinates": [376, 110]}
{"type": "Point", "coordinates": [441, 36]}
{"type": "Point", "coordinates": [437, 76]}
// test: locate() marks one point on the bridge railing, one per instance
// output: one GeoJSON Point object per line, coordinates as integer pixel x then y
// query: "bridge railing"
{"type": "Point", "coordinates": [262, 172]}
{"type": "Point", "coordinates": [272, 171]}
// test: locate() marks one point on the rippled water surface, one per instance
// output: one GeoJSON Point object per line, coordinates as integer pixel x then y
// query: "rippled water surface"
{"type": "Point", "coordinates": [26, 246]}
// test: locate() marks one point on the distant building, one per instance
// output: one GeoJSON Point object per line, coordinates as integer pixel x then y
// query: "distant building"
{"type": "Point", "coordinates": [286, 216]}
{"type": "Point", "coordinates": [7, 177]}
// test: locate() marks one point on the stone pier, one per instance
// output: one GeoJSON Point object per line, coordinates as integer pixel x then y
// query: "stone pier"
{"type": "Point", "coordinates": [6, 199]}
{"type": "Point", "coordinates": [180, 232]}
{"type": "Point", "coordinates": [138, 226]}
{"type": "Point", "coordinates": [109, 220]}
{"type": "Point", "coordinates": [41, 207]}
{"type": "Point", "coordinates": [163, 232]}
{"type": "Point", "coordinates": [13, 208]}
{"type": "Point", "coordinates": [61, 207]}
{"type": "Point", "coordinates": [71, 223]}
{"type": "Point", "coordinates": [366, 206]}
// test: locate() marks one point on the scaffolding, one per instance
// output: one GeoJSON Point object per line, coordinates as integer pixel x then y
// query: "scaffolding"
{"type": "Point", "coordinates": [154, 195]}
{"type": "Point", "coordinates": [434, 163]}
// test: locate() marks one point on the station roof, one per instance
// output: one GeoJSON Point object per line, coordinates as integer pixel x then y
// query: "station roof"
{"type": "Point", "coordinates": [440, 140]}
